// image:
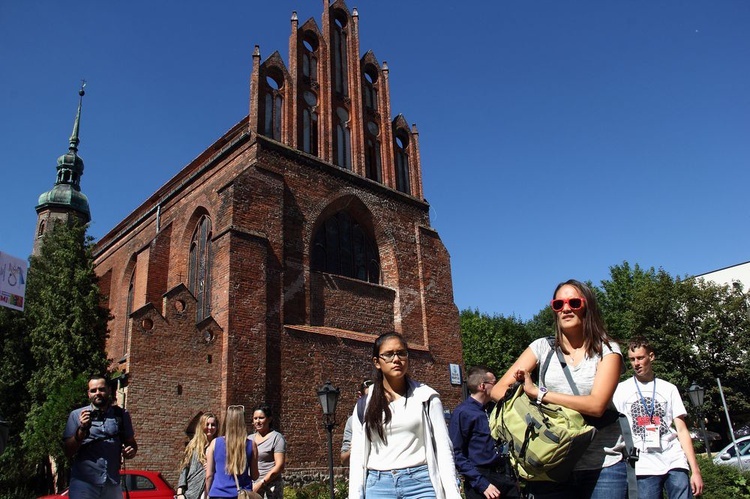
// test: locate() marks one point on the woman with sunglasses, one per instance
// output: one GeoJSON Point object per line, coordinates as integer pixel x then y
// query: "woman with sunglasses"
{"type": "Point", "coordinates": [192, 481]}
{"type": "Point", "coordinates": [400, 447]}
{"type": "Point", "coordinates": [595, 363]}
{"type": "Point", "coordinates": [232, 459]}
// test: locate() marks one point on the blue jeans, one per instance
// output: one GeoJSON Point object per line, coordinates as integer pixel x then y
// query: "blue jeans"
{"type": "Point", "coordinates": [405, 483]}
{"type": "Point", "coordinates": [84, 490]}
{"type": "Point", "coordinates": [607, 483]}
{"type": "Point", "coordinates": [676, 482]}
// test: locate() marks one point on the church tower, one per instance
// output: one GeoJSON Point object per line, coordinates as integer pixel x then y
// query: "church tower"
{"type": "Point", "coordinates": [65, 200]}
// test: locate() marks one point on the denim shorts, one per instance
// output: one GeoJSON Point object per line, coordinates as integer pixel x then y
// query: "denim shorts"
{"type": "Point", "coordinates": [404, 483]}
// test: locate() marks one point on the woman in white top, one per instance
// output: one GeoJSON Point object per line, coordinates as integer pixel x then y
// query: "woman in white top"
{"type": "Point", "coordinates": [595, 364]}
{"type": "Point", "coordinates": [401, 450]}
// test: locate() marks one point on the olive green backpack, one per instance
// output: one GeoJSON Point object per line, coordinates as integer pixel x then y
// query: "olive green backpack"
{"type": "Point", "coordinates": [545, 441]}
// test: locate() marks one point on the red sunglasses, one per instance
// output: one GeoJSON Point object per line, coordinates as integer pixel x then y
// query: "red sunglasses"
{"type": "Point", "coordinates": [574, 303]}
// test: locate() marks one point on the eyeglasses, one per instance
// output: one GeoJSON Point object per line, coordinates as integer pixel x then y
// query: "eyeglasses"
{"type": "Point", "coordinates": [389, 356]}
{"type": "Point", "coordinates": [574, 303]}
{"type": "Point", "coordinates": [236, 407]}
{"type": "Point", "coordinates": [489, 382]}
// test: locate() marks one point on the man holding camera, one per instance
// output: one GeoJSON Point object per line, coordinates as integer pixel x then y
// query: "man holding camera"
{"type": "Point", "coordinates": [95, 437]}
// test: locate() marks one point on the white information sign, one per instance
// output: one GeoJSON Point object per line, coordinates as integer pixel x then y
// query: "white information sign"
{"type": "Point", "coordinates": [455, 371]}
{"type": "Point", "coordinates": [12, 281]}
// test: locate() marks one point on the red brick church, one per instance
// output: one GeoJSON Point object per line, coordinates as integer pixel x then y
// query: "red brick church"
{"type": "Point", "coordinates": [269, 264]}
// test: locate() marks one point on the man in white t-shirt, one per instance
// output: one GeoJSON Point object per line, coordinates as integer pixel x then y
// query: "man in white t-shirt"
{"type": "Point", "coordinates": [653, 406]}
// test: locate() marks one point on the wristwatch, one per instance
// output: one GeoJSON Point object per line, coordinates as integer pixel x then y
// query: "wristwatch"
{"type": "Point", "coordinates": [540, 395]}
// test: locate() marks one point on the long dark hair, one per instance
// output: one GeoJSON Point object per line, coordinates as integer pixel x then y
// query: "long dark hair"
{"type": "Point", "coordinates": [594, 332]}
{"type": "Point", "coordinates": [378, 413]}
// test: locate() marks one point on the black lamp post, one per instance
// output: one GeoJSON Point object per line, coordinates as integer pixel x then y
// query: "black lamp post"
{"type": "Point", "coordinates": [328, 395]}
{"type": "Point", "coordinates": [696, 394]}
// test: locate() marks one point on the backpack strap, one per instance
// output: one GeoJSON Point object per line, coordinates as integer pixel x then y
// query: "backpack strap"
{"type": "Point", "coordinates": [361, 404]}
{"type": "Point", "coordinates": [632, 456]}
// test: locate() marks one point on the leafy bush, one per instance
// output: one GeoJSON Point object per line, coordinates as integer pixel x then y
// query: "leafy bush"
{"type": "Point", "coordinates": [319, 490]}
{"type": "Point", "coordinates": [17, 493]}
{"type": "Point", "coordinates": [723, 481]}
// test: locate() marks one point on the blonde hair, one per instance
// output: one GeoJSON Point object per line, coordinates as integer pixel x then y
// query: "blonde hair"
{"type": "Point", "coordinates": [199, 442]}
{"type": "Point", "coordinates": [235, 436]}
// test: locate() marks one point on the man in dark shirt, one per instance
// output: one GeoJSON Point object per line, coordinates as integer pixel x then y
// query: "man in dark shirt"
{"type": "Point", "coordinates": [486, 472]}
{"type": "Point", "coordinates": [95, 437]}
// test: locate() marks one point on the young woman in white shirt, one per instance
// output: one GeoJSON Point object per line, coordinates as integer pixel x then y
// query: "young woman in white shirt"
{"type": "Point", "coordinates": [401, 450]}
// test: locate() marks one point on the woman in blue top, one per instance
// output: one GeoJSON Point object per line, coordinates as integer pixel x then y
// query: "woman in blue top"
{"type": "Point", "coordinates": [231, 458]}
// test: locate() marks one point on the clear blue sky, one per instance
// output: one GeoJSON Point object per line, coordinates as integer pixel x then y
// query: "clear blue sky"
{"type": "Point", "coordinates": [557, 138]}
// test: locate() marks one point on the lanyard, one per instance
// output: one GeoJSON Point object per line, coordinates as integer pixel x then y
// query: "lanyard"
{"type": "Point", "coordinates": [643, 401]}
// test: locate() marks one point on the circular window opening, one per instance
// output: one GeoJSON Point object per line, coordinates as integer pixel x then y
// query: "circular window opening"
{"type": "Point", "coordinates": [271, 81]}
{"type": "Point", "coordinates": [179, 306]}
{"type": "Point", "coordinates": [310, 42]}
{"type": "Point", "coordinates": [339, 17]}
{"type": "Point", "coordinates": [371, 74]}
{"type": "Point", "coordinates": [147, 324]}
{"type": "Point", "coordinates": [310, 98]}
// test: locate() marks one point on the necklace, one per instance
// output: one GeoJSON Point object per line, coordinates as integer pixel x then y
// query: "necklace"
{"type": "Point", "coordinates": [574, 353]}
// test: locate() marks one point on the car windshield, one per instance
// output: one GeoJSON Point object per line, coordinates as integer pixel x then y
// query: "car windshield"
{"type": "Point", "coordinates": [744, 449]}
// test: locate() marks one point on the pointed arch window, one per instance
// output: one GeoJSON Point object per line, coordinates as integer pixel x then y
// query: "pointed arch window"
{"type": "Point", "coordinates": [310, 58]}
{"type": "Point", "coordinates": [128, 311]}
{"type": "Point", "coordinates": [273, 107]}
{"type": "Point", "coordinates": [340, 74]}
{"type": "Point", "coordinates": [342, 141]}
{"type": "Point", "coordinates": [372, 152]}
{"type": "Point", "coordinates": [199, 267]}
{"type": "Point", "coordinates": [402, 162]}
{"type": "Point", "coordinates": [310, 123]}
{"type": "Point", "coordinates": [342, 246]}
{"type": "Point", "coordinates": [370, 90]}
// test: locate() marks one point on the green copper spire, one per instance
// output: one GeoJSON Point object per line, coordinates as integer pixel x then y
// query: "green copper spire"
{"type": "Point", "coordinates": [66, 193]}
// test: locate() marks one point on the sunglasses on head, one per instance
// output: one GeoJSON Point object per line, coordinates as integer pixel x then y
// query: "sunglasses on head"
{"type": "Point", "coordinates": [574, 303]}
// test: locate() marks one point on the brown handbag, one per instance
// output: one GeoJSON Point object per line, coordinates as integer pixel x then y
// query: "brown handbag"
{"type": "Point", "coordinates": [245, 493]}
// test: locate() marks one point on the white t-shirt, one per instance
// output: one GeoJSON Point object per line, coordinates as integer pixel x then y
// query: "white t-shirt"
{"type": "Point", "coordinates": [405, 436]}
{"type": "Point", "coordinates": [657, 406]}
{"type": "Point", "coordinates": [608, 445]}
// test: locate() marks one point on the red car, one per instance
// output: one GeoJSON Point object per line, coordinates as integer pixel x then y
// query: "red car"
{"type": "Point", "coordinates": [137, 484]}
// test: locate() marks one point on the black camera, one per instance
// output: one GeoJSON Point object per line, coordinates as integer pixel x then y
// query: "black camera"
{"type": "Point", "coordinates": [96, 415]}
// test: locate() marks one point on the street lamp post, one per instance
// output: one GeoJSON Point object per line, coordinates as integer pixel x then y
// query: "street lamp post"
{"type": "Point", "coordinates": [328, 395]}
{"type": "Point", "coordinates": [696, 394]}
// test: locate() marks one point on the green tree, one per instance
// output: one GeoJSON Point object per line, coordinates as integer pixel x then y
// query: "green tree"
{"type": "Point", "coordinates": [495, 342]}
{"type": "Point", "coordinates": [15, 366]}
{"type": "Point", "coordinates": [699, 329]}
{"type": "Point", "coordinates": [64, 329]}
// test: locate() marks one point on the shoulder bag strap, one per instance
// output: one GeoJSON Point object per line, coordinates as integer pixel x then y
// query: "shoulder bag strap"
{"type": "Point", "coordinates": [545, 365]}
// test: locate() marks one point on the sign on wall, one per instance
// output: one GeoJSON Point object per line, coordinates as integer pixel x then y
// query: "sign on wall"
{"type": "Point", "coordinates": [12, 281]}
